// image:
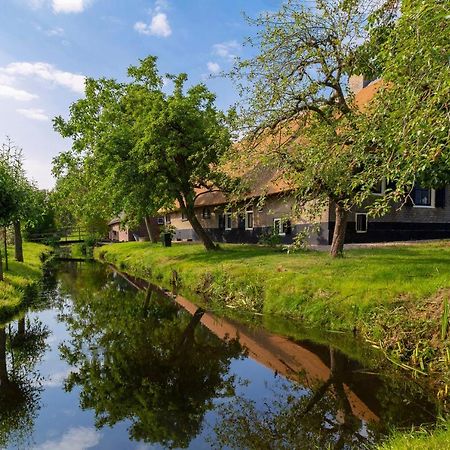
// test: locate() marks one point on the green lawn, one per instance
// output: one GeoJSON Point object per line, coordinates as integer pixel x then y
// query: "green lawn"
{"type": "Point", "coordinates": [311, 285]}
{"type": "Point", "coordinates": [19, 276]}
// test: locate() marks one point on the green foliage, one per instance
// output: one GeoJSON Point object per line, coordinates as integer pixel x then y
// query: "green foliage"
{"type": "Point", "coordinates": [136, 149]}
{"type": "Point", "coordinates": [16, 192]}
{"type": "Point", "coordinates": [408, 123]}
{"type": "Point", "coordinates": [296, 105]}
{"type": "Point", "coordinates": [271, 238]}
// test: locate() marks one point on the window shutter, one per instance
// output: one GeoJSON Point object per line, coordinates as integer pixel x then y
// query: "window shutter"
{"type": "Point", "coordinates": [241, 222]}
{"type": "Point", "coordinates": [440, 198]}
{"type": "Point", "coordinates": [221, 221]}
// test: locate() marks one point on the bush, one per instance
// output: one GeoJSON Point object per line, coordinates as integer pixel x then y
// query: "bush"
{"type": "Point", "coordinates": [270, 238]}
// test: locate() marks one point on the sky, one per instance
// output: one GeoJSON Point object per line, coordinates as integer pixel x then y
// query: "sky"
{"type": "Point", "coordinates": [47, 47]}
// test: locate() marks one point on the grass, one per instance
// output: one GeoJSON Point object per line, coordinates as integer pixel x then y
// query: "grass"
{"type": "Point", "coordinates": [420, 440]}
{"type": "Point", "coordinates": [19, 277]}
{"type": "Point", "coordinates": [323, 291]}
{"type": "Point", "coordinates": [395, 296]}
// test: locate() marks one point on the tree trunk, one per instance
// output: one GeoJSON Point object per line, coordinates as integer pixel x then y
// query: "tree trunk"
{"type": "Point", "coordinates": [3, 367]}
{"type": "Point", "coordinates": [21, 327]}
{"type": "Point", "coordinates": [340, 226]}
{"type": "Point", "coordinates": [151, 234]}
{"type": "Point", "coordinates": [6, 249]}
{"type": "Point", "coordinates": [199, 230]}
{"type": "Point", "coordinates": [187, 338]}
{"type": "Point", "coordinates": [1, 266]}
{"type": "Point", "coordinates": [18, 242]}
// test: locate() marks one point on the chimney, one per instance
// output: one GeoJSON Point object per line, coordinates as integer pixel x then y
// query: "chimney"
{"type": "Point", "coordinates": [358, 82]}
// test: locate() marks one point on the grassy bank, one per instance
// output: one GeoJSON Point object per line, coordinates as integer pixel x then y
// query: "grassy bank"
{"type": "Point", "coordinates": [19, 277]}
{"type": "Point", "coordinates": [420, 440]}
{"type": "Point", "coordinates": [395, 296]}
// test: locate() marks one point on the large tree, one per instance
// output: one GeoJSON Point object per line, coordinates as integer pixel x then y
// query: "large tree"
{"type": "Point", "coordinates": [296, 104]}
{"type": "Point", "coordinates": [16, 192]}
{"type": "Point", "coordinates": [408, 120]}
{"type": "Point", "coordinates": [138, 149]}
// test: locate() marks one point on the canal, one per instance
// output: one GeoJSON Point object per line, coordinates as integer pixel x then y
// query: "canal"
{"type": "Point", "coordinates": [103, 361]}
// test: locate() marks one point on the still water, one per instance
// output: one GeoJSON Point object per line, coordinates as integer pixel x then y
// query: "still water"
{"type": "Point", "coordinates": [102, 362]}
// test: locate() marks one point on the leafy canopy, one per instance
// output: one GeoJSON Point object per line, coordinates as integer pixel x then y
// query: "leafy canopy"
{"type": "Point", "coordinates": [408, 122]}
{"type": "Point", "coordinates": [137, 149]}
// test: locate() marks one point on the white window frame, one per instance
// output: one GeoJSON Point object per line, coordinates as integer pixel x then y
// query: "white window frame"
{"type": "Point", "coordinates": [383, 188]}
{"type": "Point", "coordinates": [228, 219]}
{"type": "Point", "coordinates": [432, 202]}
{"type": "Point", "coordinates": [247, 213]}
{"type": "Point", "coordinates": [160, 220]}
{"type": "Point", "coordinates": [167, 219]}
{"type": "Point", "coordinates": [280, 227]}
{"type": "Point", "coordinates": [356, 222]}
{"type": "Point", "coordinates": [184, 217]}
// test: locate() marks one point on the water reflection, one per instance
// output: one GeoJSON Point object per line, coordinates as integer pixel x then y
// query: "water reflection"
{"type": "Point", "coordinates": [21, 348]}
{"type": "Point", "coordinates": [141, 358]}
{"type": "Point", "coordinates": [145, 367]}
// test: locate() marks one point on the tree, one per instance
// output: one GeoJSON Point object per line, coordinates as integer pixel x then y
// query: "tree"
{"type": "Point", "coordinates": [138, 149]}
{"type": "Point", "coordinates": [17, 204]}
{"type": "Point", "coordinates": [295, 104]}
{"type": "Point", "coordinates": [408, 121]}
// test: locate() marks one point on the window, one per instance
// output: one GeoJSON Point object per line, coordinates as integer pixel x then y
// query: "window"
{"type": "Point", "coordinates": [168, 219]}
{"type": "Point", "coordinates": [287, 227]}
{"type": "Point", "coordinates": [361, 222]}
{"type": "Point", "coordinates": [379, 188]}
{"type": "Point", "coordinates": [206, 214]}
{"type": "Point", "coordinates": [423, 197]}
{"type": "Point", "coordinates": [228, 221]}
{"type": "Point", "coordinates": [278, 227]}
{"type": "Point", "coordinates": [183, 216]}
{"type": "Point", "coordinates": [249, 219]}
{"type": "Point", "coordinates": [160, 220]}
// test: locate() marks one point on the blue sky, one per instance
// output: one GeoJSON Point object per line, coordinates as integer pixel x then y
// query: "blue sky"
{"type": "Point", "coordinates": [48, 46]}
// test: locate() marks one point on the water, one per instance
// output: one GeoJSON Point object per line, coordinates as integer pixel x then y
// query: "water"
{"type": "Point", "coordinates": [97, 363]}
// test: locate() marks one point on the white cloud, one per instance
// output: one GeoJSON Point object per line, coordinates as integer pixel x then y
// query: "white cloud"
{"type": "Point", "coordinates": [80, 438]}
{"type": "Point", "coordinates": [69, 6]}
{"type": "Point", "coordinates": [16, 94]}
{"type": "Point", "coordinates": [46, 72]}
{"type": "Point", "coordinates": [159, 23]}
{"type": "Point", "coordinates": [60, 6]}
{"type": "Point", "coordinates": [52, 32]}
{"type": "Point", "coordinates": [33, 113]}
{"type": "Point", "coordinates": [213, 67]}
{"type": "Point", "coordinates": [227, 50]}
{"type": "Point", "coordinates": [158, 26]}
{"type": "Point", "coordinates": [58, 31]}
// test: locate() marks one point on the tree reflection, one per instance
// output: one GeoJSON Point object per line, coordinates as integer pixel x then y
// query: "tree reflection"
{"type": "Point", "coordinates": [20, 385]}
{"type": "Point", "coordinates": [139, 357]}
{"type": "Point", "coordinates": [298, 418]}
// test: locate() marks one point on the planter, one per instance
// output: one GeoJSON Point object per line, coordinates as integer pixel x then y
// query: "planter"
{"type": "Point", "coordinates": [167, 240]}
